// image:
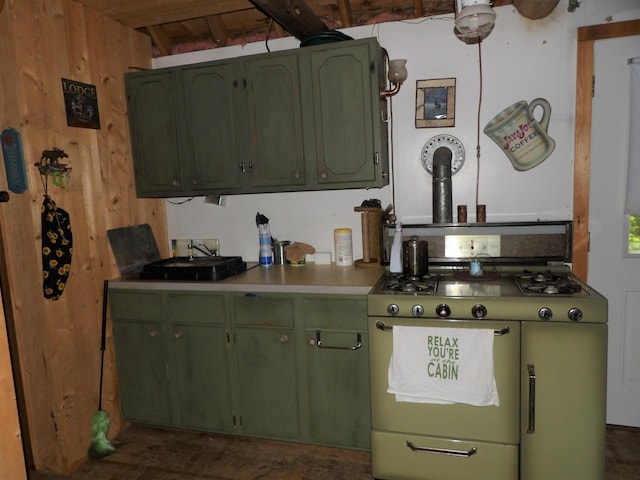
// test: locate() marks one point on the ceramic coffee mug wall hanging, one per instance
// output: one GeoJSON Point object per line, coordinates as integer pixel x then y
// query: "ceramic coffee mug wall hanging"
{"type": "Point", "coordinates": [522, 138]}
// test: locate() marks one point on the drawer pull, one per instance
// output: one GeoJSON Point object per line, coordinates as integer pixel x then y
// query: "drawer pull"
{"type": "Point", "coordinates": [443, 451]}
{"type": "Point", "coordinates": [388, 328]}
{"type": "Point", "coordinates": [532, 398]}
{"type": "Point", "coordinates": [353, 347]}
{"type": "Point", "coordinates": [154, 333]}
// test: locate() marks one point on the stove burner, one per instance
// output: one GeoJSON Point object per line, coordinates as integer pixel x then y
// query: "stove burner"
{"type": "Point", "coordinates": [547, 283]}
{"type": "Point", "coordinates": [398, 283]}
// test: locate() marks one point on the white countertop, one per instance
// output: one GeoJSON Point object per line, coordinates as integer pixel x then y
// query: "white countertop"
{"type": "Point", "coordinates": [308, 278]}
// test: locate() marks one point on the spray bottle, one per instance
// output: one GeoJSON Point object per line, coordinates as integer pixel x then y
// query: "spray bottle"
{"type": "Point", "coordinates": [264, 234]}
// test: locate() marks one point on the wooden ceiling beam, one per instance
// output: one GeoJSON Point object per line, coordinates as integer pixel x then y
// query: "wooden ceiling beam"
{"type": "Point", "coordinates": [160, 39]}
{"type": "Point", "coordinates": [218, 29]}
{"type": "Point", "coordinates": [418, 11]}
{"type": "Point", "coordinates": [142, 13]}
{"type": "Point", "coordinates": [344, 6]}
{"type": "Point", "coordinates": [295, 16]}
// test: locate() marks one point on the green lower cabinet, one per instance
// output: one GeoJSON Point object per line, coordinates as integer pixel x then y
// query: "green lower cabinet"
{"type": "Point", "coordinates": [142, 372]}
{"type": "Point", "coordinates": [200, 373]}
{"type": "Point", "coordinates": [267, 381]}
{"type": "Point", "coordinates": [337, 371]}
{"type": "Point", "coordinates": [284, 366]}
{"type": "Point", "coordinates": [200, 370]}
{"type": "Point", "coordinates": [265, 355]}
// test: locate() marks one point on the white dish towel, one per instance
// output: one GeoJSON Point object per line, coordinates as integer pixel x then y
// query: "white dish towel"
{"type": "Point", "coordinates": [443, 365]}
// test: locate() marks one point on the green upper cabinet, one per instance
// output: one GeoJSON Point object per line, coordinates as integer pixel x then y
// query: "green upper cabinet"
{"type": "Point", "coordinates": [212, 127]}
{"type": "Point", "coordinates": [155, 133]}
{"type": "Point", "coordinates": [275, 156]}
{"type": "Point", "coordinates": [303, 119]}
{"type": "Point", "coordinates": [349, 137]}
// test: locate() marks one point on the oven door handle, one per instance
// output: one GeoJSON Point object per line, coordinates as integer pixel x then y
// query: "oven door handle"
{"type": "Point", "coordinates": [443, 451]}
{"type": "Point", "coordinates": [387, 328]}
{"type": "Point", "coordinates": [532, 398]}
{"type": "Point", "coordinates": [358, 344]}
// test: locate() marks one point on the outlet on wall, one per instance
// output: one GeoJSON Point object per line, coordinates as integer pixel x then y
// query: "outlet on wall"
{"type": "Point", "coordinates": [467, 246]}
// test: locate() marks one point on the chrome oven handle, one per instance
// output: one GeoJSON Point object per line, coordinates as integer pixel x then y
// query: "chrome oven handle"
{"type": "Point", "coordinates": [354, 347]}
{"type": "Point", "coordinates": [443, 451]}
{"type": "Point", "coordinates": [532, 398]}
{"type": "Point", "coordinates": [387, 328]}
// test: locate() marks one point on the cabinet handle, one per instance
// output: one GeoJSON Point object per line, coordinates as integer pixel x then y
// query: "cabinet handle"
{"type": "Point", "coordinates": [443, 451]}
{"type": "Point", "coordinates": [250, 167]}
{"type": "Point", "coordinates": [376, 158]}
{"type": "Point", "coordinates": [241, 165]}
{"type": "Point", "coordinates": [323, 175]}
{"type": "Point", "coordinates": [178, 335]}
{"type": "Point", "coordinates": [284, 338]}
{"type": "Point", "coordinates": [353, 347]}
{"type": "Point", "coordinates": [532, 398]}
{"type": "Point", "coordinates": [154, 333]}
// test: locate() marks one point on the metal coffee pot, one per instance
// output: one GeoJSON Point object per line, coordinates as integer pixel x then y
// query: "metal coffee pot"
{"type": "Point", "coordinates": [415, 257]}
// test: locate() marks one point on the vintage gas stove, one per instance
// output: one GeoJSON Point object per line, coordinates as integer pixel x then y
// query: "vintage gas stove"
{"type": "Point", "coordinates": [549, 358]}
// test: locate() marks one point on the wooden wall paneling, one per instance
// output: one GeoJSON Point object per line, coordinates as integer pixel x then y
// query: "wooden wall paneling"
{"type": "Point", "coordinates": [58, 342]}
{"type": "Point", "coordinates": [12, 463]}
{"type": "Point", "coordinates": [12, 460]}
{"type": "Point", "coordinates": [582, 151]}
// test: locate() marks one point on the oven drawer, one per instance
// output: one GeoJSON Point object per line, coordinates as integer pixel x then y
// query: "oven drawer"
{"type": "Point", "coordinates": [425, 458]}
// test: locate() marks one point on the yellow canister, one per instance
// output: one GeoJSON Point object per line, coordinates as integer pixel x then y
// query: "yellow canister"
{"type": "Point", "coordinates": [343, 243]}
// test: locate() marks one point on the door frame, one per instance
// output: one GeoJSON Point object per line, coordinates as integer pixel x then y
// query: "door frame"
{"type": "Point", "coordinates": [587, 36]}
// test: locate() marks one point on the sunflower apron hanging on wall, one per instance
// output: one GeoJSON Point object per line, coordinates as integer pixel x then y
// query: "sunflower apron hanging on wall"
{"type": "Point", "coordinates": [57, 239]}
{"type": "Point", "coordinates": [57, 248]}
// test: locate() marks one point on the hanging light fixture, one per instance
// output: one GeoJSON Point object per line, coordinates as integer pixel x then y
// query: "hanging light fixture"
{"type": "Point", "coordinates": [474, 20]}
{"type": "Point", "coordinates": [396, 75]}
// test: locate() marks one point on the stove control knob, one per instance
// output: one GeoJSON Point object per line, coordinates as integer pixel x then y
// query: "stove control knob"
{"type": "Point", "coordinates": [479, 311]}
{"type": "Point", "coordinates": [443, 310]}
{"type": "Point", "coordinates": [545, 313]}
{"type": "Point", "coordinates": [417, 310]}
{"type": "Point", "coordinates": [393, 309]}
{"type": "Point", "coordinates": [575, 314]}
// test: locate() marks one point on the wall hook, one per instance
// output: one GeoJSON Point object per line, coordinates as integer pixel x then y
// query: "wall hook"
{"type": "Point", "coordinates": [50, 162]}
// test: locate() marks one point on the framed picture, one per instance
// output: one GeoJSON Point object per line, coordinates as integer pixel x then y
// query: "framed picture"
{"type": "Point", "coordinates": [436, 103]}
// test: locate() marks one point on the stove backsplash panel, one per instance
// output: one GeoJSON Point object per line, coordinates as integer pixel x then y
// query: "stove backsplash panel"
{"type": "Point", "coordinates": [520, 242]}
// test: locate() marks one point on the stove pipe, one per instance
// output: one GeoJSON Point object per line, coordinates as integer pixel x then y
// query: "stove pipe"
{"type": "Point", "coordinates": [442, 209]}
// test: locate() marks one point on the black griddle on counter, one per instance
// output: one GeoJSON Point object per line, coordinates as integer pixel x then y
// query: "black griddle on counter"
{"type": "Point", "coordinates": [197, 268]}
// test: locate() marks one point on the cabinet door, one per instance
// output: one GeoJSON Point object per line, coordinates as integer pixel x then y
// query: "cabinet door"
{"type": "Point", "coordinates": [199, 366]}
{"type": "Point", "coordinates": [267, 366]}
{"type": "Point", "coordinates": [212, 127]}
{"type": "Point", "coordinates": [142, 372]}
{"type": "Point", "coordinates": [344, 89]}
{"type": "Point", "coordinates": [337, 370]}
{"type": "Point", "coordinates": [274, 119]}
{"type": "Point", "coordinates": [139, 339]}
{"type": "Point", "coordinates": [563, 430]}
{"type": "Point", "coordinates": [154, 133]}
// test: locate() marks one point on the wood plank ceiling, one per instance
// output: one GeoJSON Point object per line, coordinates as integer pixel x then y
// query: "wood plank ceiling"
{"type": "Point", "coordinates": [178, 26]}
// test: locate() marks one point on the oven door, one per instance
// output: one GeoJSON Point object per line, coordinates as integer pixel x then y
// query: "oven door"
{"type": "Point", "coordinates": [455, 441]}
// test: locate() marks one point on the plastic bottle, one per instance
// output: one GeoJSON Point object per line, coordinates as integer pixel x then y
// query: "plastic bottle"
{"type": "Point", "coordinates": [344, 247]}
{"type": "Point", "coordinates": [395, 264]}
{"type": "Point", "coordinates": [266, 252]}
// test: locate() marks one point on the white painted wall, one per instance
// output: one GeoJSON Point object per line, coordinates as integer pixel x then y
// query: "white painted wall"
{"type": "Point", "coordinates": [522, 59]}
